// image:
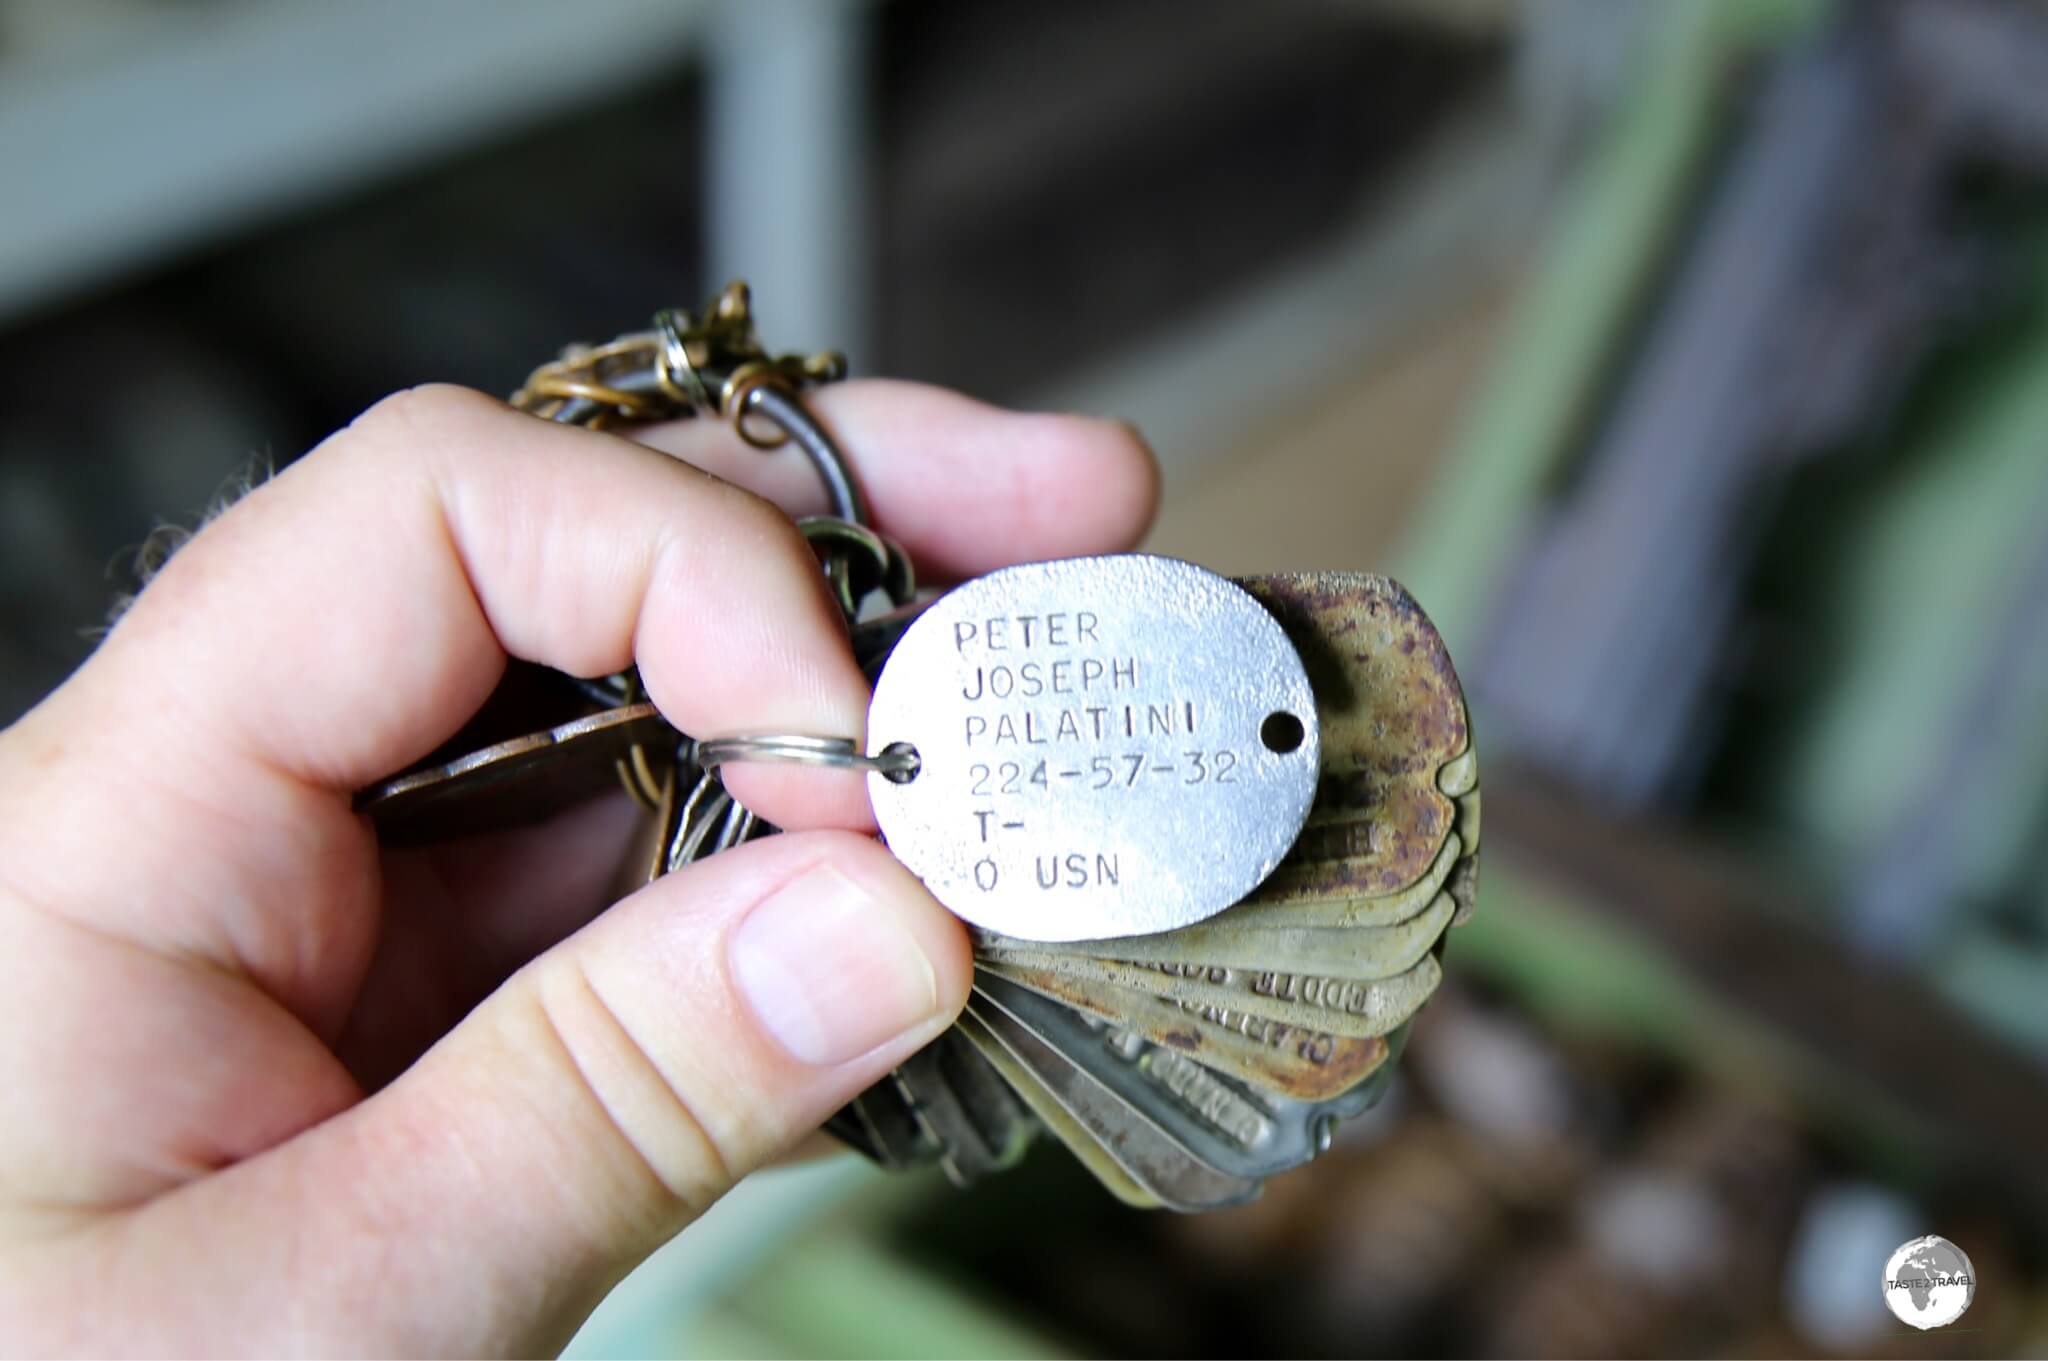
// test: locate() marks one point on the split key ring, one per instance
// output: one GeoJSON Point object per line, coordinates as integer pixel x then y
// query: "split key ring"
{"type": "Point", "coordinates": [897, 762]}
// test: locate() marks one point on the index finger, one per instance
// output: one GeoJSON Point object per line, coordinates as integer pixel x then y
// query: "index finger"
{"type": "Point", "coordinates": [346, 617]}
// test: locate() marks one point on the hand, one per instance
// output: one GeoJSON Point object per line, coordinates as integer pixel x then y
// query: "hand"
{"type": "Point", "coordinates": [269, 1089]}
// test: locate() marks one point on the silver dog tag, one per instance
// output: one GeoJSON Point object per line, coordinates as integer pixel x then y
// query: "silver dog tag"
{"type": "Point", "coordinates": [1106, 747]}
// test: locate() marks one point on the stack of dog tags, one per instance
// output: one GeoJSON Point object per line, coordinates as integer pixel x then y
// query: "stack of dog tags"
{"type": "Point", "coordinates": [1209, 836]}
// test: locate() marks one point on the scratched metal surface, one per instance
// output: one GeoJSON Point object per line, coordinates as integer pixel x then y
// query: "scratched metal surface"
{"type": "Point", "coordinates": [1156, 794]}
{"type": "Point", "coordinates": [1393, 716]}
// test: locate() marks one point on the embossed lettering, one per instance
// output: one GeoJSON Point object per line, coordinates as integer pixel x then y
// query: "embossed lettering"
{"type": "Point", "coordinates": [1075, 870]}
{"type": "Point", "coordinates": [1224, 1109]}
{"type": "Point", "coordinates": [1032, 680]}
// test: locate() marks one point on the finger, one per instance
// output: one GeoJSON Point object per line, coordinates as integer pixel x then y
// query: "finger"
{"type": "Point", "coordinates": [811, 1148]}
{"type": "Point", "coordinates": [965, 487]}
{"type": "Point", "coordinates": [461, 918]}
{"type": "Point", "coordinates": [347, 615]}
{"type": "Point", "coordinates": [586, 1112]}
{"type": "Point", "coordinates": [342, 620]}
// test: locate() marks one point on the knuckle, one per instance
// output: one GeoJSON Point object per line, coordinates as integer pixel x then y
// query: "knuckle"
{"type": "Point", "coordinates": [665, 1150]}
{"type": "Point", "coordinates": [759, 518]}
{"type": "Point", "coordinates": [429, 410]}
{"type": "Point", "coordinates": [755, 540]}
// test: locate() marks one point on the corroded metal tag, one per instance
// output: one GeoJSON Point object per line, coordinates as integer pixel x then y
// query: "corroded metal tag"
{"type": "Point", "coordinates": [1107, 747]}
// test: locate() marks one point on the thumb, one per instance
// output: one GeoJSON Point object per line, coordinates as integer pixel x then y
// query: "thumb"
{"type": "Point", "coordinates": [593, 1106]}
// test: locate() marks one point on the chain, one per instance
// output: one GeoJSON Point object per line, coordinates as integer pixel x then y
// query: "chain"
{"type": "Point", "coordinates": [683, 367]}
{"type": "Point", "coordinates": [715, 367]}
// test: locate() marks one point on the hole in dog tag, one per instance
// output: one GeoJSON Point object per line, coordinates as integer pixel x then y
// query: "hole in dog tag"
{"type": "Point", "coordinates": [1105, 746]}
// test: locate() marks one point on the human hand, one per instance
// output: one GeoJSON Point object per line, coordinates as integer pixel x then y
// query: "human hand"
{"type": "Point", "coordinates": [270, 1089]}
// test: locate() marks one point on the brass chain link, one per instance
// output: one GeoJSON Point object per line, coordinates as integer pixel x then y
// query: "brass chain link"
{"type": "Point", "coordinates": [683, 367]}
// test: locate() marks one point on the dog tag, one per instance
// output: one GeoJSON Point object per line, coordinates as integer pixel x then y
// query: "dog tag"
{"type": "Point", "coordinates": [1105, 746]}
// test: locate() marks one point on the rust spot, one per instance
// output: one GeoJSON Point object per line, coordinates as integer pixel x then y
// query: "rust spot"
{"type": "Point", "coordinates": [1391, 714]}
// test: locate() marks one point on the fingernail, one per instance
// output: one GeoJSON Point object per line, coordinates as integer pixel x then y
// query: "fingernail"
{"type": "Point", "coordinates": [830, 969]}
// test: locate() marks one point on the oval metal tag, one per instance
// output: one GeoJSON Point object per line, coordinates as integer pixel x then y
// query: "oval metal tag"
{"type": "Point", "coordinates": [1108, 746]}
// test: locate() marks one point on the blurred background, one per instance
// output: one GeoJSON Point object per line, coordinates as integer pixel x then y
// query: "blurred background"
{"type": "Point", "coordinates": [1688, 361]}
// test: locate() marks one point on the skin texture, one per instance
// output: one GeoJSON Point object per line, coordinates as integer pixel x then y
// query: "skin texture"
{"type": "Point", "coordinates": [271, 1090]}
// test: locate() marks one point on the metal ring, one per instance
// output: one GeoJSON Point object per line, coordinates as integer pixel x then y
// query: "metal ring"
{"type": "Point", "coordinates": [839, 753]}
{"type": "Point", "coordinates": [733, 398]}
{"type": "Point", "coordinates": [672, 363]}
{"type": "Point", "coordinates": [788, 410]}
